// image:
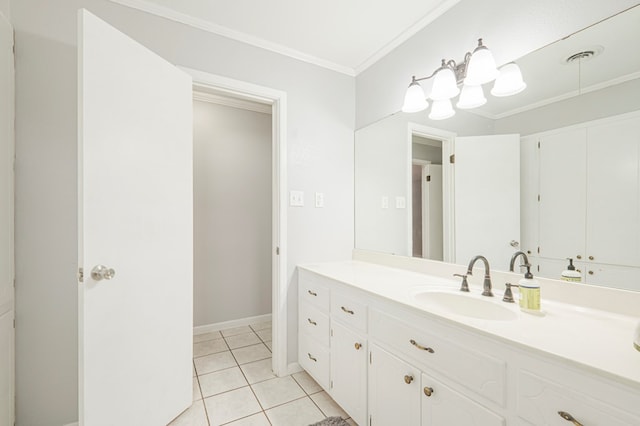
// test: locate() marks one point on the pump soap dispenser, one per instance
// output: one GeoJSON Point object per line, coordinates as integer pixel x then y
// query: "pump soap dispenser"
{"type": "Point", "coordinates": [529, 293]}
{"type": "Point", "coordinates": [570, 274]}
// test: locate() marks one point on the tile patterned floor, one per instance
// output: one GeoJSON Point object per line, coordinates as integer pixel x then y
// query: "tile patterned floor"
{"type": "Point", "coordinates": [233, 384]}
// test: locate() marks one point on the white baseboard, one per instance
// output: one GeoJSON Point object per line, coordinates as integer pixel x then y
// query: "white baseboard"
{"type": "Point", "coordinates": [208, 328]}
{"type": "Point", "coordinates": [71, 424]}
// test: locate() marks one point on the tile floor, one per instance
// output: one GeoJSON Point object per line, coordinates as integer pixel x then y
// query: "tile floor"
{"type": "Point", "coordinates": [233, 384]}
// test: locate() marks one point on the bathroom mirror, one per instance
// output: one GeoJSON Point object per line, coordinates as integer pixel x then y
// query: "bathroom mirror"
{"type": "Point", "coordinates": [396, 151]}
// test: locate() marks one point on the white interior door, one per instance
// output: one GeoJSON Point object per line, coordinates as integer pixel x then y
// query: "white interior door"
{"type": "Point", "coordinates": [135, 216]}
{"type": "Point", "coordinates": [432, 222]}
{"type": "Point", "coordinates": [487, 198]}
{"type": "Point", "coordinates": [7, 345]}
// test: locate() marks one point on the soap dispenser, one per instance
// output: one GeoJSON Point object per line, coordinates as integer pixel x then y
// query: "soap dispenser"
{"type": "Point", "coordinates": [529, 292]}
{"type": "Point", "coordinates": [570, 274]}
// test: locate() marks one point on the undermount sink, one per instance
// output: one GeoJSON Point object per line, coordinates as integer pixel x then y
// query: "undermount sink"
{"type": "Point", "coordinates": [464, 304]}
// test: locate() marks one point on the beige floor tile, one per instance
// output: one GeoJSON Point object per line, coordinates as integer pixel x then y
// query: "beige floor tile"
{"type": "Point", "coordinates": [193, 416]}
{"type": "Point", "coordinates": [209, 347]}
{"type": "Point", "coordinates": [258, 371]}
{"type": "Point", "coordinates": [229, 406]}
{"type": "Point", "coordinates": [306, 382]}
{"type": "Point", "coordinates": [261, 325]}
{"type": "Point", "coordinates": [299, 412]}
{"type": "Point", "coordinates": [328, 406]}
{"type": "Point", "coordinates": [236, 330]}
{"type": "Point", "coordinates": [214, 362]}
{"type": "Point", "coordinates": [221, 381]}
{"type": "Point", "coordinates": [206, 336]}
{"type": "Point", "coordinates": [241, 340]}
{"type": "Point", "coordinates": [277, 391]}
{"type": "Point", "coordinates": [251, 353]}
{"type": "Point", "coordinates": [256, 420]}
{"type": "Point", "coordinates": [196, 390]}
{"type": "Point", "coordinates": [265, 335]}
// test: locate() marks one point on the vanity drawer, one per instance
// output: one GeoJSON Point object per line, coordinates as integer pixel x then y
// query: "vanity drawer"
{"type": "Point", "coordinates": [312, 323]}
{"type": "Point", "coordinates": [312, 290]}
{"type": "Point", "coordinates": [483, 374]}
{"type": "Point", "coordinates": [314, 358]}
{"type": "Point", "coordinates": [349, 311]}
{"type": "Point", "coordinates": [541, 401]}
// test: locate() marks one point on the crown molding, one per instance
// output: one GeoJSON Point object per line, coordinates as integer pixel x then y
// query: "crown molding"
{"type": "Point", "coordinates": [170, 14]}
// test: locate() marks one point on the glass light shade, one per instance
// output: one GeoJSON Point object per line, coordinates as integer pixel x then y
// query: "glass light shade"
{"type": "Point", "coordinates": [471, 97]}
{"type": "Point", "coordinates": [482, 67]}
{"type": "Point", "coordinates": [414, 99]}
{"type": "Point", "coordinates": [441, 109]}
{"type": "Point", "coordinates": [509, 81]}
{"type": "Point", "coordinates": [444, 85]}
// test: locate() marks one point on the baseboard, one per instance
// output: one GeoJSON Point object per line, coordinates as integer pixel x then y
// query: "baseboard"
{"type": "Point", "coordinates": [71, 424]}
{"type": "Point", "coordinates": [292, 368]}
{"type": "Point", "coordinates": [208, 328]}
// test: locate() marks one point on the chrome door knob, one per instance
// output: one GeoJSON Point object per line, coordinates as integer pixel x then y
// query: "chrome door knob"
{"type": "Point", "coordinates": [101, 272]}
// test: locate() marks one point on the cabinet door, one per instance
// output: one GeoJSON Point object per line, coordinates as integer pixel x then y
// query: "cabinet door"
{"type": "Point", "coordinates": [562, 194]}
{"type": "Point", "coordinates": [349, 371]}
{"type": "Point", "coordinates": [442, 405]}
{"type": "Point", "coordinates": [394, 390]}
{"type": "Point", "coordinates": [613, 182]}
{"type": "Point", "coordinates": [623, 277]}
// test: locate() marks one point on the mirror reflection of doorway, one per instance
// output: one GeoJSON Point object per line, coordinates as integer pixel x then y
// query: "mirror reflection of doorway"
{"type": "Point", "coordinates": [427, 198]}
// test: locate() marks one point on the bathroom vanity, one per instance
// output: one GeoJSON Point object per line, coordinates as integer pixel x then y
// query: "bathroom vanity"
{"type": "Point", "coordinates": [399, 347]}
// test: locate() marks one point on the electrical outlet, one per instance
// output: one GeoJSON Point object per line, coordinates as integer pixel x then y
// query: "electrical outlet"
{"type": "Point", "coordinates": [401, 203]}
{"type": "Point", "coordinates": [296, 198]}
{"type": "Point", "coordinates": [319, 199]}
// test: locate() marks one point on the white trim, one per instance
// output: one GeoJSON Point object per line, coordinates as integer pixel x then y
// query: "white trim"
{"type": "Point", "coordinates": [208, 328]}
{"type": "Point", "coordinates": [232, 102]}
{"type": "Point", "coordinates": [293, 368]}
{"type": "Point", "coordinates": [591, 123]}
{"type": "Point", "coordinates": [406, 34]}
{"type": "Point", "coordinates": [72, 424]}
{"type": "Point", "coordinates": [220, 30]}
{"type": "Point", "coordinates": [278, 101]}
{"type": "Point", "coordinates": [448, 186]}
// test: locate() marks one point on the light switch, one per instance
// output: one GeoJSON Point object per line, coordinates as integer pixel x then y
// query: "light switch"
{"type": "Point", "coordinates": [296, 198]}
{"type": "Point", "coordinates": [385, 202]}
{"type": "Point", "coordinates": [401, 203]}
{"type": "Point", "coordinates": [319, 199]}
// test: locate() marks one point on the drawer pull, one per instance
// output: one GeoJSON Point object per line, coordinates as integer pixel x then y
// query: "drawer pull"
{"type": "Point", "coordinates": [312, 358]}
{"type": "Point", "coordinates": [311, 321]}
{"type": "Point", "coordinates": [357, 346]}
{"type": "Point", "coordinates": [419, 346]}
{"type": "Point", "coordinates": [312, 293]}
{"type": "Point", "coordinates": [428, 391]}
{"type": "Point", "coordinates": [568, 417]}
{"type": "Point", "coordinates": [346, 310]}
{"type": "Point", "coordinates": [408, 379]}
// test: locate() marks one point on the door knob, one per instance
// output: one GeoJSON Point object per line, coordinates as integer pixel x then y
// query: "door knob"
{"type": "Point", "coordinates": [514, 243]}
{"type": "Point", "coordinates": [101, 272]}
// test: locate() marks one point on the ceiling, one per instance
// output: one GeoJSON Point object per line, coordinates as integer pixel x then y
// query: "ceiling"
{"type": "Point", "coordinates": [344, 35]}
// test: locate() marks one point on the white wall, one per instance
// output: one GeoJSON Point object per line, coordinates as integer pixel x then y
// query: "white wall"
{"type": "Point", "coordinates": [511, 28]}
{"type": "Point", "coordinates": [232, 213]}
{"type": "Point", "coordinates": [320, 123]}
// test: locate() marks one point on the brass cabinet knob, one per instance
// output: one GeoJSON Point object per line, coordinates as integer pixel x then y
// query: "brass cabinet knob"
{"type": "Point", "coordinates": [428, 391]}
{"type": "Point", "coordinates": [568, 417]}
{"type": "Point", "coordinates": [408, 379]}
{"type": "Point", "coordinates": [579, 257]}
{"type": "Point", "coordinates": [357, 346]}
{"type": "Point", "coordinates": [590, 272]}
{"type": "Point", "coordinates": [591, 257]}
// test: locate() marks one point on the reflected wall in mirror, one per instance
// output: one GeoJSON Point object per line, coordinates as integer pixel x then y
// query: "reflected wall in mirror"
{"type": "Point", "coordinates": [579, 167]}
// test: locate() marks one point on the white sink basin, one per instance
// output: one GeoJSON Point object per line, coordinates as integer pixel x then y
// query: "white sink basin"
{"type": "Point", "coordinates": [464, 304]}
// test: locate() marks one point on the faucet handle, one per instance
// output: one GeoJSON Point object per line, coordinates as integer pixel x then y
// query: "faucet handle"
{"type": "Point", "coordinates": [508, 294]}
{"type": "Point", "coordinates": [465, 285]}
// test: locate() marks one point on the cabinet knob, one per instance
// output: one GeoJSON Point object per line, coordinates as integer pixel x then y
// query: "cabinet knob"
{"type": "Point", "coordinates": [357, 346]}
{"type": "Point", "coordinates": [568, 417]}
{"type": "Point", "coordinates": [419, 346]}
{"type": "Point", "coordinates": [349, 311]}
{"type": "Point", "coordinates": [312, 293]}
{"type": "Point", "coordinates": [408, 379]}
{"type": "Point", "coordinates": [579, 270]}
{"type": "Point", "coordinates": [311, 321]}
{"type": "Point", "coordinates": [590, 272]}
{"type": "Point", "coordinates": [312, 358]}
{"type": "Point", "coordinates": [579, 256]}
{"type": "Point", "coordinates": [428, 391]}
{"type": "Point", "coordinates": [591, 257]}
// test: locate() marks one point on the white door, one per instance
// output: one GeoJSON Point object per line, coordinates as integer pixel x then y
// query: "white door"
{"type": "Point", "coordinates": [432, 224]}
{"type": "Point", "coordinates": [135, 216]}
{"type": "Point", "coordinates": [7, 364]}
{"type": "Point", "coordinates": [487, 198]}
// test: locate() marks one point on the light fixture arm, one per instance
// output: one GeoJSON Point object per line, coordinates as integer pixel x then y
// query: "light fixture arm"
{"type": "Point", "coordinates": [460, 70]}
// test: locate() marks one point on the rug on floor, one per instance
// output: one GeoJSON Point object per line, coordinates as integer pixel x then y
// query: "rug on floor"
{"type": "Point", "coordinates": [331, 421]}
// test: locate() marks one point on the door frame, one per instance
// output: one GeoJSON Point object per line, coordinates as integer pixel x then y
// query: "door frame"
{"type": "Point", "coordinates": [448, 187]}
{"type": "Point", "coordinates": [278, 100]}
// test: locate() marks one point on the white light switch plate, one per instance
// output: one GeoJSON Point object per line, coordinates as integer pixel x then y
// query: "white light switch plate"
{"type": "Point", "coordinates": [385, 202]}
{"type": "Point", "coordinates": [401, 203]}
{"type": "Point", "coordinates": [296, 198]}
{"type": "Point", "coordinates": [319, 199]}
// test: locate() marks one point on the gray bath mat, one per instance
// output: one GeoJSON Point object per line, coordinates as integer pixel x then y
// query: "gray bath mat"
{"type": "Point", "coordinates": [331, 421]}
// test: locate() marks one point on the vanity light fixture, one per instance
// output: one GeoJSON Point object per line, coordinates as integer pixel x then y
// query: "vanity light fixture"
{"type": "Point", "coordinates": [477, 68]}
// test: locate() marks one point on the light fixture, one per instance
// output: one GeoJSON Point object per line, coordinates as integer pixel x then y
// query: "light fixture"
{"type": "Point", "coordinates": [476, 69]}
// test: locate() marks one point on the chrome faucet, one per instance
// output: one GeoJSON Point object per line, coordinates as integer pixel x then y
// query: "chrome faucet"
{"type": "Point", "coordinates": [515, 256]}
{"type": "Point", "coordinates": [486, 286]}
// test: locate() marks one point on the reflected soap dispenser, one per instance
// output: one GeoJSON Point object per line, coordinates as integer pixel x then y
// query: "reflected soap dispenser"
{"type": "Point", "coordinates": [570, 274]}
{"type": "Point", "coordinates": [529, 292]}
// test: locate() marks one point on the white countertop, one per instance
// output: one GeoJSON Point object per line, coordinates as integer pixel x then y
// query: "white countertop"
{"type": "Point", "coordinates": [591, 338]}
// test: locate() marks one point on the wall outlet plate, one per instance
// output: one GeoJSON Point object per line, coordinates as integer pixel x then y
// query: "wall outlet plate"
{"type": "Point", "coordinates": [296, 198]}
